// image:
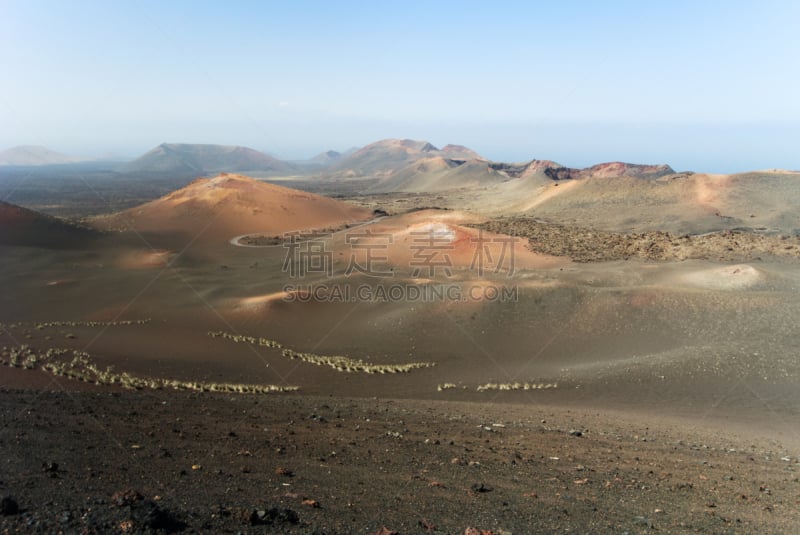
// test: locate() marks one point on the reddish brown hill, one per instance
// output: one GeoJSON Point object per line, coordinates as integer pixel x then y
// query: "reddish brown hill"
{"type": "Point", "coordinates": [219, 208]}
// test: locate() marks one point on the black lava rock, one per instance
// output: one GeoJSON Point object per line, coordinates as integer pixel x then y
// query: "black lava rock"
{"type": "Point", "coordinates": [8, 506]}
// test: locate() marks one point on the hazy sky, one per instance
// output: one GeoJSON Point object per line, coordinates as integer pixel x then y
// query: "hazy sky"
{"type": "Point", "coordinates": [709, 85]}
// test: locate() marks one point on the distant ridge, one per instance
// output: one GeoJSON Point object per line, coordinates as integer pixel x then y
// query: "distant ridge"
{"type": "Point", "coordinates": [609, 170]}
{"type": "Point", "coordinates": [194, 159]}
{"type": "Point", "coordinates": [327, 157]}
{"type": "Point", "coordinates": [385, 157]}
{"type": "Point", "coordinates": [25, 155]}
{"type": "Point", "coordinates": [460, 152]}
{"type": "Point", "coordinates": [434, 172]}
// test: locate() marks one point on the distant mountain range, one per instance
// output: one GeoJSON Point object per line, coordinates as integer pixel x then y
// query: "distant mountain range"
{"type": "Point", "coordinates": [30, 155]}
{"type": "Point", "coordinates": [392, 165]}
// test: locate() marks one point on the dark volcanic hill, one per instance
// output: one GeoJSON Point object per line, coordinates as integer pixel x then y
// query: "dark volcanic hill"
{"type": "Point", "coordinates": [24, 227]}
{"type": "Point", "coordinates": [25, 155]}
{"type": "Point", "coordinates": [191, 159]}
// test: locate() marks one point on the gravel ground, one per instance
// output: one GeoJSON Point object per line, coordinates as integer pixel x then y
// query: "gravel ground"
{"type": "Point", "coordinates": [586, 245]}
{"type": "Point", "coordinates": [158, 462]}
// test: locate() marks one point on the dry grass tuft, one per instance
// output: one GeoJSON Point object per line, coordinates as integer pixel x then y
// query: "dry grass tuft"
{"type": "Point", "coordinates": [80, 367]}
{"type": "Point", "coordinates": [516, 386]}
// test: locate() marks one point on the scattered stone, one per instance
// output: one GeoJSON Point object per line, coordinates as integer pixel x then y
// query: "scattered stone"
{"type": "Point", "coordinates": [50, 467]}
{"type": "Point", "coordinates": [386, 531]}
{"type": "Point", "coordinates": [576, 432]}
{"type": "Point", "coordinates": [311, 503]}
{"type": "Point", "coordinates": [125, 497]}
{"type": "Point", "coordinates": [273, 516]}
{"type": "Point", "coordinates": [8, 506]}
{"type": "Point", "coordinates": [481, 488]}
{"type": "Point", "coordinates": [284, 472]}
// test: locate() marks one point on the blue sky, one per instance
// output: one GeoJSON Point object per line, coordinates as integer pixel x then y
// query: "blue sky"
{"type": "Point", "coordinates": [709, 86]}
